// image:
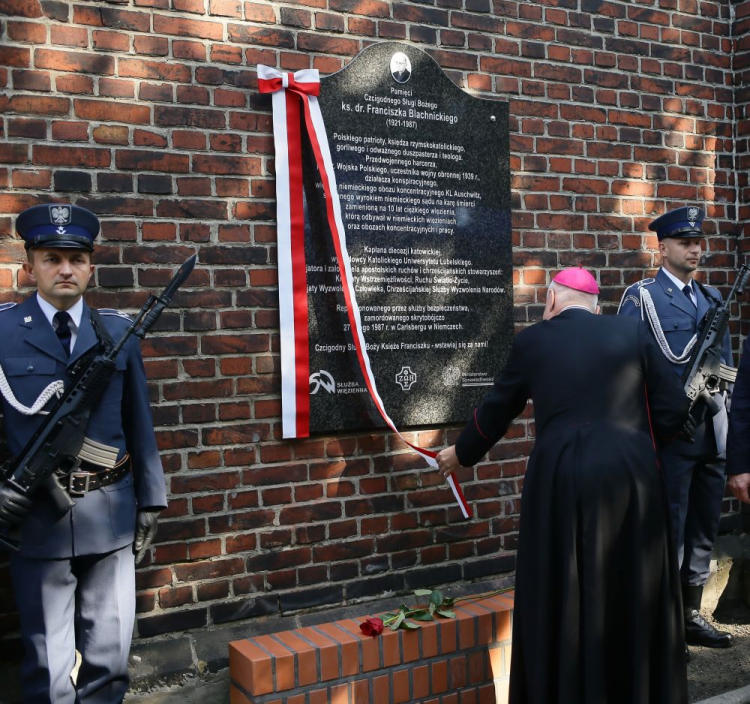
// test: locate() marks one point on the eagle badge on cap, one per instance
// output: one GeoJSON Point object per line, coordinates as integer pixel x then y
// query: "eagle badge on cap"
{"type": "Point", "coordinates": [692, 215]}
{"type": "Point", "coordinates": [60, 214]}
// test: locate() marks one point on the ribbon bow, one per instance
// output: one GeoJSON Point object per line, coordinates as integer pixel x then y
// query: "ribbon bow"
{"type": "Point", "coordinates": [295, 96]}
{"type": "Point", "coordinates": [306, 81]}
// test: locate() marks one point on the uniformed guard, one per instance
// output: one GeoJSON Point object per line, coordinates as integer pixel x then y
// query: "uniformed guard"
{"type": "Point", "coordinates": [74, 576]}
{"type": "Point", "coordinates": [673, 304]}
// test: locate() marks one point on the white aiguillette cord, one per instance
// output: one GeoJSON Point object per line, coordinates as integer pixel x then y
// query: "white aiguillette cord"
{"type": "Point", "coordinates": [661, 338]}
{"type": "Point", "coordinates": [54, 389]}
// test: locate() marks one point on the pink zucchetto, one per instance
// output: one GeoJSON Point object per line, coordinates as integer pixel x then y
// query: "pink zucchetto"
{"type": "Point", "coordinates": [577, 278]}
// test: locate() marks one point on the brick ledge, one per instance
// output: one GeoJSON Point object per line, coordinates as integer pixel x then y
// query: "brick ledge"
{"type": "Point", "coordinates": [468, 657]}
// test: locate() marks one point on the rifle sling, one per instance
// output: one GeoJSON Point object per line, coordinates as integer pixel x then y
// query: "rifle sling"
{"type": "Point", "coordinates": [102, 334]}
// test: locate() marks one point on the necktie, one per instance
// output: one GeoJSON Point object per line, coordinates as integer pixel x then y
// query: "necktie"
{"type": "Point", "coordinates": [687, 290]}
{"type": "Point", "coordinates": [63, 330]}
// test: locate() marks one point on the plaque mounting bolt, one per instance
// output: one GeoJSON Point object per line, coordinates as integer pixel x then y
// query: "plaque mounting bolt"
{"type": "Point", "coordinates": [492, 118]}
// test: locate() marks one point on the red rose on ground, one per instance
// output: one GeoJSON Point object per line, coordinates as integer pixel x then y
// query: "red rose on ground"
{"type": "Point", "coordinates": [372, 627]}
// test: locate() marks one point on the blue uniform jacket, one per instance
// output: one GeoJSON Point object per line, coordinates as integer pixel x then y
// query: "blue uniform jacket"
{"type": "Point", "coordinates": [679, 322]}
{"type": "Point", "coordinates": [104, 519]}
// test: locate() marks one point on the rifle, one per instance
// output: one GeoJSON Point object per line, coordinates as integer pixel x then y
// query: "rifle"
{"type": "Point", "coordinates": [53, 449]}
{"type": "Point", "coordinates": [705, 374]}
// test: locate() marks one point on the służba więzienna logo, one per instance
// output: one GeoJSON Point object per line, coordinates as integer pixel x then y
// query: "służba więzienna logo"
{"type": "Point", "coordinates": [322, 380]}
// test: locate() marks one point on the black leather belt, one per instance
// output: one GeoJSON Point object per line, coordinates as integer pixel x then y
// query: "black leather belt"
{"type": "Point", "coordinates": [89, 477]}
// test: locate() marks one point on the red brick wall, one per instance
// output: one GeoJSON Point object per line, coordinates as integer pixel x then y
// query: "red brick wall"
{"type": "Point", "coordinates": [146, 112]}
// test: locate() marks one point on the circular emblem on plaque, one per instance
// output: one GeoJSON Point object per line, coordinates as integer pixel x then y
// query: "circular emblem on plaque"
{"type": "Point", "coordinates": [400, 67]}
{"type": "Point", "coordinates": [451, 376]}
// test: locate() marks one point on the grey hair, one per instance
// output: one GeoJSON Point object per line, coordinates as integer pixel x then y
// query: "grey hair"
{"type": "Point", "coordinates": [570, 296]}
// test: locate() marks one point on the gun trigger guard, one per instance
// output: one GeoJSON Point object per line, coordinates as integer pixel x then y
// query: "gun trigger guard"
{"type": "Point", "coordinates": [72, 468]}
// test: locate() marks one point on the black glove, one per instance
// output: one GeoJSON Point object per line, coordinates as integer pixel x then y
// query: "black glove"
{"type": "Point", "coordinates": [14, 507]}
{"type": "Point", "coordinates": [145, 531]}
{"type": "Point", "coordinates": [688, 430]}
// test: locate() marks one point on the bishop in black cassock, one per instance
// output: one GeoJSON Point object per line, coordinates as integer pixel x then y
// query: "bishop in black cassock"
{"type": "Point", "coordinates": [598, 611]}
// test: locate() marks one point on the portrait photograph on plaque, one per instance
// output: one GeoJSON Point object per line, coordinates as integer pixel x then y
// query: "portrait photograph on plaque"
{"type": "Point", "coordinates": [423, 178]}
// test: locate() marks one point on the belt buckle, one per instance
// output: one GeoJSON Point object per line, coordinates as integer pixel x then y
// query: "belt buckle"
{"type": "Point", "coordinates": [72, 477]}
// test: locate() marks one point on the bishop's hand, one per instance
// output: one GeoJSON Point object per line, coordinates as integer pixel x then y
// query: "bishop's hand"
{"type": "Point", "coordinates": [447, 461]}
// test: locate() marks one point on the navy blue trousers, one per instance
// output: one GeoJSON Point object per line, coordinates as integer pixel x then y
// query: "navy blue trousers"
{"type": "Point", "coordinates": [695, 489]}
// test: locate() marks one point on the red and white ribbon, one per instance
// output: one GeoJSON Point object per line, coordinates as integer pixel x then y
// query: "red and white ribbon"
{"type": "Point", "coordinates": [289, 92]}
{"type": "Point", "coordinates": [295, 348]}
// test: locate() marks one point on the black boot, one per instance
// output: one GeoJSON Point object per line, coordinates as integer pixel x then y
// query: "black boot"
{"type": "Point", "coordinates": [697, 630]}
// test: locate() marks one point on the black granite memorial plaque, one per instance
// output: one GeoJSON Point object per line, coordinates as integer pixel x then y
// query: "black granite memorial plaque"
{"type": "Point", "coordinates": [423, 176]}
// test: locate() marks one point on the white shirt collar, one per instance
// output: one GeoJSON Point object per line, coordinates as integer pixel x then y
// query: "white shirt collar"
{"type": "Point", "coordinates": [76, 311]}
{"type": "Point", "coordinates": [677, 282]}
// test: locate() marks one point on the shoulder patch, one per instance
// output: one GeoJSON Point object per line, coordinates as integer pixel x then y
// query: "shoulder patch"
{"type": "Point", "coordinates": [633, 299]}
{"type": "Point", "coordinates": [7, 306]}
{"type": "Point", "coordinates": [645, 282]}
{"type": "Point", "coordinates": [118, 313]}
